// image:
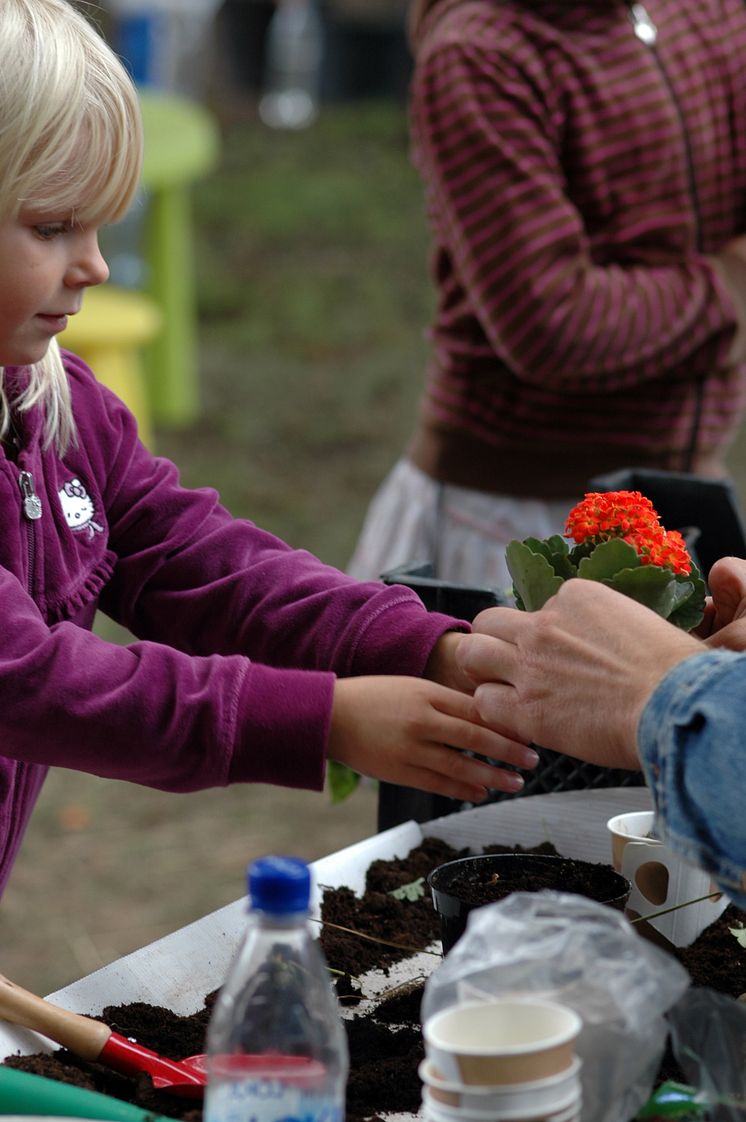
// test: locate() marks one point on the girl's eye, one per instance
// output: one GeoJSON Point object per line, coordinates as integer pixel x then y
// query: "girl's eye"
{"type": "Point", "coordinates": [48, 230]}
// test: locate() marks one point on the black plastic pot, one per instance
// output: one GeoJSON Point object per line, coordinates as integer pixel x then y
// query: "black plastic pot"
{"type": "Point", "coordinates": [471, 882]}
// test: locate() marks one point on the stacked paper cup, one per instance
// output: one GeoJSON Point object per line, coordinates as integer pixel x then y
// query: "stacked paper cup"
{"type": "Point", "coordinates": [506, 1060]}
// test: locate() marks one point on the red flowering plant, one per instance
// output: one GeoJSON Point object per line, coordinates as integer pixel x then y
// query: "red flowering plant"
{"type": "Point", "coordinates": [618, 540]}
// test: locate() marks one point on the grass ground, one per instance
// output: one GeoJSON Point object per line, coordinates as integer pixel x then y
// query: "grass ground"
{"type": "Point", "coordinates": [313, 296]}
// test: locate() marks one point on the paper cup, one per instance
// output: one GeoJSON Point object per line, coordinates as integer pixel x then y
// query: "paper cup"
{"type": "Point", "coordinates": [440, 1112]}
{"type": "Point", "coordinates": [557, 1092]}
{"type": "Point", "coordinates": [505, 1041]}
{"type": "Point", "coordinates": [660, 879]}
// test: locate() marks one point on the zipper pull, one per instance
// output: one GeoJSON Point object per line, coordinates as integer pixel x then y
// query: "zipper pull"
{"type": "Point", "coordinates": [31, 501]}
{"type": "Point", "coordinates": [644, 28]}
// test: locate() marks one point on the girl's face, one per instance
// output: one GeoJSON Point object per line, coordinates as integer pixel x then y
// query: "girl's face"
{"type": "Point", "coordinates": [46, 262]}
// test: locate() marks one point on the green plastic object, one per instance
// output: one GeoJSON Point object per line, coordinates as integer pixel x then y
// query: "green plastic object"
{"type": "Point", "coordinates": [182, 145]}
{"type": "Point", "coordinates": [674, 1100]}
{"type": "Point", "coordinates": [24, 1093]}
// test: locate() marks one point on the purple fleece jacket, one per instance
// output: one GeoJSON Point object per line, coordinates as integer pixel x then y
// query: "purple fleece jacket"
{"type": "Point", "coordinates": [240, 637]}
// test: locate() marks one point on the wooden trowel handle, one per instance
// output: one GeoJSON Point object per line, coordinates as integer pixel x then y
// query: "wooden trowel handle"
{"type": "Point", "coordinates": [82, 1035]}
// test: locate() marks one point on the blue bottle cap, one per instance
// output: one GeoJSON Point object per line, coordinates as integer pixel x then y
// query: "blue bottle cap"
{"type": "Point", "coordinates": [280, 885]}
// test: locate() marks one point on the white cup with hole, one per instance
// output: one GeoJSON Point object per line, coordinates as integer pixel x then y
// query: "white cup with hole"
{"type": "Point", "coordinates": [660, 879]}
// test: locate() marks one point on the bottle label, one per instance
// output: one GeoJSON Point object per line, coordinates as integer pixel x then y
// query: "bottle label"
{"type": "Point", "coordinates": [267, 1100]}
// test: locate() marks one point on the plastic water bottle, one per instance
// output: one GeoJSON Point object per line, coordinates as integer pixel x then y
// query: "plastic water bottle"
{"type": "Point", "coordinates": [276, 1045]}
{"type": "Point", "coordinates": [294, 50]}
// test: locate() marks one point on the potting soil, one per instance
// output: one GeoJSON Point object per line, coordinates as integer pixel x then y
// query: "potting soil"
{"type": "Point", "coordinates": [385, 1041]}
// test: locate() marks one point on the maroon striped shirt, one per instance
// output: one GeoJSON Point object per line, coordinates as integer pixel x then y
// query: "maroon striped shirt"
{"type": "Point", "coordinates": [577, 179]}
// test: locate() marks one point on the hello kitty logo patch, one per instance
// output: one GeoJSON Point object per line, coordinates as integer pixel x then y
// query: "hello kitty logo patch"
{"type": "Point", "coordinates": [78, 508]}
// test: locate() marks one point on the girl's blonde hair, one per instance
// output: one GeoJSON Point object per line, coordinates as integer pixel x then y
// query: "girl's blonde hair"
{"type": "Point", "coordinates": [70, 142]}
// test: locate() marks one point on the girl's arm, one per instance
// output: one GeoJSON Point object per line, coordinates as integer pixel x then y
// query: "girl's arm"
{"type": "Point", "coordinates": [190, 575]}
{"type": "Point", "coordinates": [234, 678]}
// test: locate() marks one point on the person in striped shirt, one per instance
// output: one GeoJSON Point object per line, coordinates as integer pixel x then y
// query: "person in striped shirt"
{"type": "Point", "coordinates": [585, 175]}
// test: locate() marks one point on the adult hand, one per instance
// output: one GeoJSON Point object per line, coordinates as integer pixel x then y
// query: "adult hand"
{"type": "Point", "coordinates": [574, 676]}
{"type": "Point", "coordinates": [409, 731]}
{"type": "Point", "coordinates": [724, 624]}
{"type": "Point", "coordinates": [443, 666]}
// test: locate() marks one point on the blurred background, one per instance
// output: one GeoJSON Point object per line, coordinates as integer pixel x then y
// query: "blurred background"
{"type": "Point", "coordinates": [308, 297]}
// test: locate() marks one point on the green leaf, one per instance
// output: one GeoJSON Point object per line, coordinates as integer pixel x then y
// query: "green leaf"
{"type": "Point", "coordinates": [547, 547]}
{"type": "Point", "coordinates": [557, 553]}
{"type": "Point", "coordinates": [650, 585]}
{"type": "Point", "coordinates": [563, 565]}
{"type": "Point", "coordinates": [607, 559]}
{"type": "Point", "coordinates": [342, 781]}
{"type": "Point", "coordinates": [690, 610]}
{"type": "Point", "coordinates": [581, 550]}
{"type": "Point", "coordinates": [675, 597]}
{"type": "Point", "coordinates": [413, 891]}
{"type": "Point", "coordinates": [534, 579]}
{"type": "Point", "coordinates": [739, 934]}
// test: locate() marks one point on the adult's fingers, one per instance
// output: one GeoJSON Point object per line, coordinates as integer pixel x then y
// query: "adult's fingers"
{"type": "Point", "coordinates": [496, 704]}
{"type": "Point", "coordinates": [485, 658]}
{"type": "Point", "coordinates": [499, 622]}
{"type": "Point", "coordinates": [732, 636]}
{"type": "Point", "coordinates": [727, 580]}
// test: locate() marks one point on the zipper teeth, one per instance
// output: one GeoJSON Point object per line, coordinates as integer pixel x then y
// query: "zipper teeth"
{"type": "Point", "coordinates": [30, 554]}
{"type": "Point", "coordinates": [26, 485]}
{"type": "Point", "coordinates": [694, 190]}
{"type": "Point", "coordinates": [640, 18]}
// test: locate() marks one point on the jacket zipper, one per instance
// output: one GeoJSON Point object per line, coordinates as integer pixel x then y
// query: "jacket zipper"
{"type": "Point", "coordinates": [32, 513]}
{"type": "Point", "coordinates": [647, 33]}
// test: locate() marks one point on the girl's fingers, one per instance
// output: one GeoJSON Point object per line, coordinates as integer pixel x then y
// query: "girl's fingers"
{"type": "Point", "coordinates": [437, 784]}
{"type": "Point", "coordinates": [462, 724]}
{"type": "Point", "coordinates": [453, 767]}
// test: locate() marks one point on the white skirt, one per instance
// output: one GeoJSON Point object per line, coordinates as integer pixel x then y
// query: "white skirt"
{"type": "Point", "coordinates": [463, 533]}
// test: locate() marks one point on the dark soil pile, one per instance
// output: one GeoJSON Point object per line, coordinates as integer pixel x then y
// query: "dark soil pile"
{"type": "Point", "coordinates": [385, 1044]}
{"type": "Point", "coordinates": [486, 879]}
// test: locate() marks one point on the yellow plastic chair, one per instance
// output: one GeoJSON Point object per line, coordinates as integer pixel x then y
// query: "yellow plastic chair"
{"type": "Point", "coordinates": [110, 334]}
{"type": "Point", "coordinates": [182, 144]}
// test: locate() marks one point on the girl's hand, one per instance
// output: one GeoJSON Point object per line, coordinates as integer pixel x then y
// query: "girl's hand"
{"type": "Point", "coordinates": [409, 731]}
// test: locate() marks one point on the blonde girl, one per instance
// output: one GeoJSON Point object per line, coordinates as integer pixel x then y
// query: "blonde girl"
{"type": "Point", "coordinates": [253, 662]}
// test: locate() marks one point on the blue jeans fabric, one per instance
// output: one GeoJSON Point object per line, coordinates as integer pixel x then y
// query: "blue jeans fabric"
{"type": "Point", "coordinates": [692, 739]}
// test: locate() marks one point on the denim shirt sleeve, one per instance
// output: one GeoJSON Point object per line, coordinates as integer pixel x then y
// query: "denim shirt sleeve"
{"type": "Point", "coordinates": [692, 739]}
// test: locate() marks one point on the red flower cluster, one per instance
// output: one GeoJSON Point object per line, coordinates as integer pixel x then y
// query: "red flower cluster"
{"type": "Point", "coordinates": [630, 516]}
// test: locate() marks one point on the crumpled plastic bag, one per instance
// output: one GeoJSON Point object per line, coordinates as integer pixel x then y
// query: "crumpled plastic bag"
{"type": "Point", "coordinates": [570, 949]}
{"type": "Point", "coordinates": [708, 1039]}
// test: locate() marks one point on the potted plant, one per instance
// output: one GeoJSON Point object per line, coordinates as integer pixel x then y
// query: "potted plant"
{"type": "Point", "coordinates": [617, 538]}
